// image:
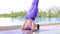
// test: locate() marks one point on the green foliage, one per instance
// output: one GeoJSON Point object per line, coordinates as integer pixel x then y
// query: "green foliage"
{"type": "Point", "coordinates": [41, 14]}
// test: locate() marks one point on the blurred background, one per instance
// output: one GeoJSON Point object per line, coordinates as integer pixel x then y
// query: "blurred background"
{"type": "Point", "coordinates": [12, 12]}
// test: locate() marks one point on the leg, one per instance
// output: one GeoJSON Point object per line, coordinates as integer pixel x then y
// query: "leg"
{"type": "Point", "coordinates": [32, 13]}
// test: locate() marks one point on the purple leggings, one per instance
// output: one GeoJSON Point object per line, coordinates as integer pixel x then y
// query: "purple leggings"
{"type": "Point", "coordinates": [32, 12]}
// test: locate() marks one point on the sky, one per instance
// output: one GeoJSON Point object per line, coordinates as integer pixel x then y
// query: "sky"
{"type": "Point", "coordinates": [7, 6]}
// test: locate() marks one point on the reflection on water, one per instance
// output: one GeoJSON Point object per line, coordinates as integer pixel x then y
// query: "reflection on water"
{"type": "Point", "coordinates": [20, 21]}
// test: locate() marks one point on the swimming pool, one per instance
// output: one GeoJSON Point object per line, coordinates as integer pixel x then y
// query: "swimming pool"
{"type": "Point", "coordinates": [38, 20]}
{"type": "Point", "coordinates": [20, 21]}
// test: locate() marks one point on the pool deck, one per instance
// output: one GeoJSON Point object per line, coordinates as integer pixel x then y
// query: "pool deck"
{"type": "Point", "coordinates": [51, 28]}
{"type": "Point", "coordinates": [18, 26]}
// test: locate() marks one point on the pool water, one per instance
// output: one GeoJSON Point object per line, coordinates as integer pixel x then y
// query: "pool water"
{"type": "Point", "coordinates": [39, 20]}
{"type": "Point", "coordinates": [20, 21]}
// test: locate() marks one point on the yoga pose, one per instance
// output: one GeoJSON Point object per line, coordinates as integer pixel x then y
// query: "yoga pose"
{"type": "Point", "coordinates": [30, 17]}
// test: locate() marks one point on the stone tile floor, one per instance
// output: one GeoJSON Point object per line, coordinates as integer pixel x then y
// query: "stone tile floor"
{"type": "Point", "coordinates": [43, 30]}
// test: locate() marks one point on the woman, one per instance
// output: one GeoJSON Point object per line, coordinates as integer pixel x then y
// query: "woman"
{"type": "Point", "coordinates": [30, 17]}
